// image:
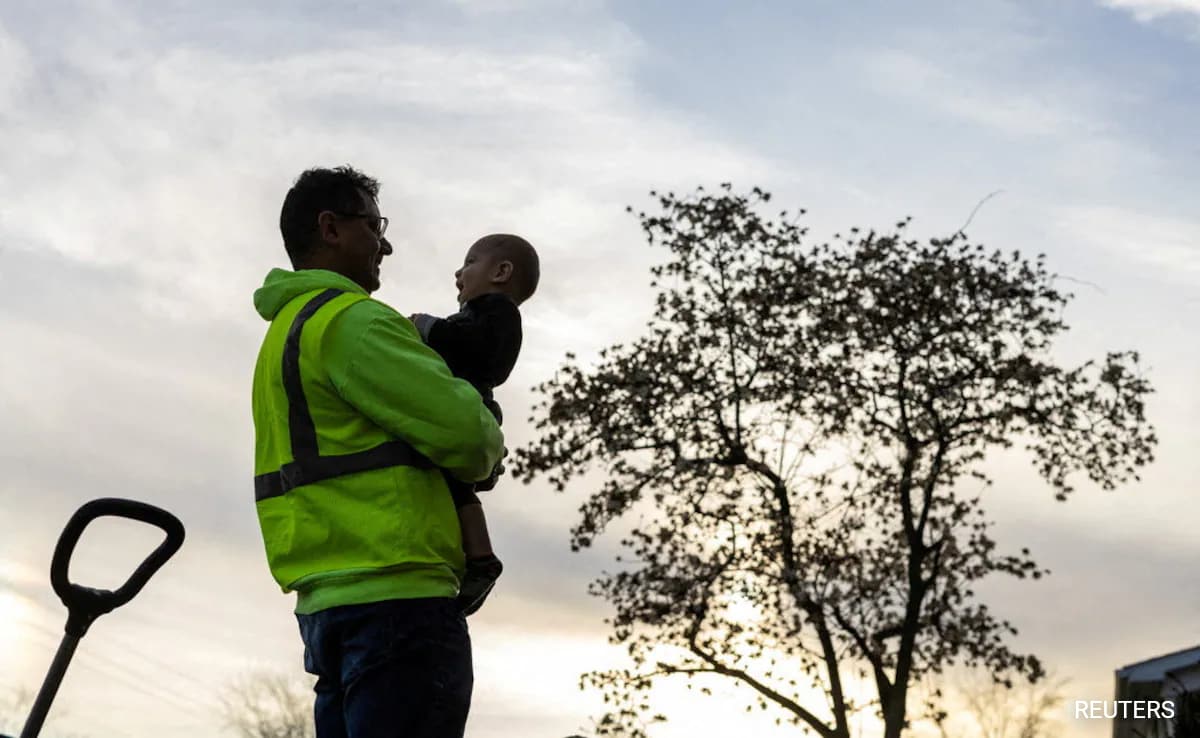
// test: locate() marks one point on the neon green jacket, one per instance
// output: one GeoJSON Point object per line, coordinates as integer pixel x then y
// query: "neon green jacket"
{"type": "Point", "coordinates": [353, 418]}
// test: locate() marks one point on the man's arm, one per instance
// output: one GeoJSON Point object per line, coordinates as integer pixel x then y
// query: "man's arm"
{"type": "Point", "coordinates": [379, 364]}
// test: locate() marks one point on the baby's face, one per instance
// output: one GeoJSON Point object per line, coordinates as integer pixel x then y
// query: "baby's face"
{"type": "Point", "coordinates": [474, 277]}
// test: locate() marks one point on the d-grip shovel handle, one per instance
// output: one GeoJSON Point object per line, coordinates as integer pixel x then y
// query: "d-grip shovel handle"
{"type": "Point", "coordinates": [85, 604]}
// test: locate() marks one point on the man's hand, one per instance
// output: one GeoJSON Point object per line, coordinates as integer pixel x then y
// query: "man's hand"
{"type": "Point", "coordinates": [423, 323]}
{"type": "Point", "coordinates": [494, 477]}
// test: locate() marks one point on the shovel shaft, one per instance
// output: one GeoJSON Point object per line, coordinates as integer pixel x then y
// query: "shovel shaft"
{"type": "Point", "coordinates": [41, 706]}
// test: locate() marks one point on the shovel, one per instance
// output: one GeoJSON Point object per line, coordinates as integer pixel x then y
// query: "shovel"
{"type": "Point", "coordinates": [85, 604]}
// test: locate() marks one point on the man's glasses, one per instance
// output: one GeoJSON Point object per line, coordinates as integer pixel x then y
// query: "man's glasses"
{"type": "Point", "coordinates": [377, 223]}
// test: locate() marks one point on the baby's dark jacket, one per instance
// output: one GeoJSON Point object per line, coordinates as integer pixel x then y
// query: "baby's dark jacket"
{"type": "Point", "coordinates": [479, 343]}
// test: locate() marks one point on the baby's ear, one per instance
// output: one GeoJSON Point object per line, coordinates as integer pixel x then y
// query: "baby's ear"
{"type": "Point", "coordinates": [502, 272]}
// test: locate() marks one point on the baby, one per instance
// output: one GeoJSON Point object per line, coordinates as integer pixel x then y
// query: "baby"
{"type": "Point", "coordinates": [480, 344]}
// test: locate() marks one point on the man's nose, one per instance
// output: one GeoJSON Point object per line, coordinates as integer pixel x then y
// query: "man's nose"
{"type": "Point", "coordinates": [385, 246]}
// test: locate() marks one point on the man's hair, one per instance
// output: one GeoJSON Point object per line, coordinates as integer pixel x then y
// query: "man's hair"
{"type": "Point", "coordinates": [524, 258]}
{"type": "Point", "coordinates": [316, 190]}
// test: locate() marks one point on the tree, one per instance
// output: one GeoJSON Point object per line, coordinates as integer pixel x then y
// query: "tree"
{"type": "Point", "coordinates": [267, 704]}
{"type": "Point", "coordinates": [15, 706]}
{"type": "Point", "coordinates": [795, 447]}
{"type": "Point", "coordinates": [14, 709]}
{"type": "Point", "coordinates": [1000, 711]}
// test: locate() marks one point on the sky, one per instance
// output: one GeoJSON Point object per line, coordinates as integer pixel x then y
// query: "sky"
{"type": "Point", "coordinates": [145, 148]}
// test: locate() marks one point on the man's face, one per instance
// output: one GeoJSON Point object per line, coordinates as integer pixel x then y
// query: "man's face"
{"type": "Point", "coordinates": [362, 248]}
{"type": "Point", "coordinates": [474, 277]}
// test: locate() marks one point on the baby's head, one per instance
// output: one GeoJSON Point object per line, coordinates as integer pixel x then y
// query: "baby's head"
{"type": "Point", "coordinates": [500, 262]}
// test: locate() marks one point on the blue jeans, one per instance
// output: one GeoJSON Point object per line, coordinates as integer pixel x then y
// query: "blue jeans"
{"type": "Point", "coordinates": [394, 669]}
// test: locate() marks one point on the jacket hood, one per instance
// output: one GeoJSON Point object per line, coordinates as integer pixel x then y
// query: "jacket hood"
{"type": "Point", "coordinates": [281, 286]}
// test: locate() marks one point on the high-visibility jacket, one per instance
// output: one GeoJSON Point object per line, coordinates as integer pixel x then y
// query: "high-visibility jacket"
{"type": "Point", "coordinates": [354, 419]}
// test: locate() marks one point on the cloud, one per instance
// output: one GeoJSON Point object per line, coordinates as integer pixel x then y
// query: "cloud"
{"type": "Point", "coordinates": [16, 67]}
{"type": "Point", "coordinates": [1149, 10]}
{"type": "Point", "coordinates": [145, 161]}
{"type": "Point", "coordinates": [985, 102]}
{"type": "Point", "coordinates": [143, 182]}
{"type": "Point", "coordinates": [174, 172]}
{"type": "Point", "coordinates": [1009, 119]}
{"type": "Point", "coordinates": [146, 149]}
{"type": "Point", "coordinates": [494, 7]}
{"type": "Point", "coordinates": [1169, 245]}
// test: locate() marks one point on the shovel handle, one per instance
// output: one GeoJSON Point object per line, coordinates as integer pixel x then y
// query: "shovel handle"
{"type": "Point", "coordinates": [85, 604]}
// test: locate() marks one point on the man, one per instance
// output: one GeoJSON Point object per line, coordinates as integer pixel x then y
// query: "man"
{"type": "Point", "coordinates": [353, 418]}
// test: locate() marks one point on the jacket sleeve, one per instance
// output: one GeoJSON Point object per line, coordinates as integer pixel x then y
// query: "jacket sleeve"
{"type": "Point", "coordinates": [378, 363]}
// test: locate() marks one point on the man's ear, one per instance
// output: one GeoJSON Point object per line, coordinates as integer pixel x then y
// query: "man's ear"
{"type": "Point", "coordinates": [327, 227]}
{"type": "Point", "coordinates": [502, 272]}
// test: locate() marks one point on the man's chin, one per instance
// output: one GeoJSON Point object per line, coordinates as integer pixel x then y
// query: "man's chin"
{"type": "Point", "coordinates": [370, 282]}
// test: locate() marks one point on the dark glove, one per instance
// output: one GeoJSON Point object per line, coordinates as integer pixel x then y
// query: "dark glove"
{"type": "Point", "coordinates": [497, 470]}
{"type": "Point", "coordinates": [477, 584]}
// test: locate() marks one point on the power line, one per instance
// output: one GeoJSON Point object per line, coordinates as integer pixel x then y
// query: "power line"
{"type": "Point", "coordinates": [161, 665]}
{"type": "Point", "coordinates": [105, 666]}
{"type": "Point", "coordinates": [127, 648]}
